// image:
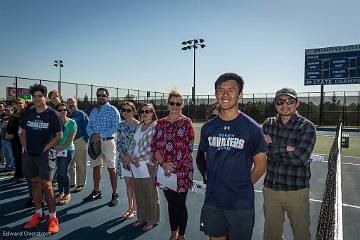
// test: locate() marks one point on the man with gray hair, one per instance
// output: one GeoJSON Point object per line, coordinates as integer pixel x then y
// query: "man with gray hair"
{"type": "Point", "coordinates": [78, 165]}
{"type": "Point", "coordinates": [290, 139]}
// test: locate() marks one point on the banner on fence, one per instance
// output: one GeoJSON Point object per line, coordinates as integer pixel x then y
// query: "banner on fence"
{"type": "Point", "coordinates": [21, 92]}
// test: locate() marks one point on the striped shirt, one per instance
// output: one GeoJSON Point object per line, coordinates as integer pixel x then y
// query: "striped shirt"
{"type": "Point", "coordinates": [103, 120]}
{"type": "Point", "coordinates": [288, 171]}
{"type": "Point", "coordinates": [144, 153]}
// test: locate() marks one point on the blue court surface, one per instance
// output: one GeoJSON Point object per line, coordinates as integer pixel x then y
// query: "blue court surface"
{"type": "Point", "coordinates": [95, 220]}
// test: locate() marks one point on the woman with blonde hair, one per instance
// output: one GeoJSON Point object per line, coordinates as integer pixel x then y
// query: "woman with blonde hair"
{"type": "Point", "coordinates": [172, 146]}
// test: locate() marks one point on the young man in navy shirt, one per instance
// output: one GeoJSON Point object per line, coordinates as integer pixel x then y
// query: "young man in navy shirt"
{"type": "Point", "coordinates": [235, 153]}
{"type": "Point", "coordinates": [41, 130]}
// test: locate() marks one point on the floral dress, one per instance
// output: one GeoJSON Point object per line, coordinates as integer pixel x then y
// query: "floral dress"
{"type": "Point", "coordinates": [175, 140]}
{"type": "Point", "coordinates": [125, 135]}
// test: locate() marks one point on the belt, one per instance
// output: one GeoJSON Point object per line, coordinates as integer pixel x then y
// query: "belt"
{"type": "Point", "coordinates": [107, 138]}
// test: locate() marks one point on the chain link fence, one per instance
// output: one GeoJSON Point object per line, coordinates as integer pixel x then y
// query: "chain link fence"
{"type": "Point", "coordinates": [337, 104]}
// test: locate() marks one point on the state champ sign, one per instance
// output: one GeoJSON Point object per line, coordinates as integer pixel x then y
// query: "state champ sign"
{"type": "Point", "coordinates": [332, 65]}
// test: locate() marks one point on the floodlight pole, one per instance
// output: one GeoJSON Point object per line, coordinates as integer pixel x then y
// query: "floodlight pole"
{"type": "Point", "coordinates": [194, 43]}
{"type": "Point", "coordinates": [193, 89]}
{"type": "Point", "coordinates": [59, 63]}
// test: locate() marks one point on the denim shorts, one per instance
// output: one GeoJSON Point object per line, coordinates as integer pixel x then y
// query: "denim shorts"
{"type": "Point", "coordinates": [42, 166]}
{"type": "Point", "coordinates": [236, 223]}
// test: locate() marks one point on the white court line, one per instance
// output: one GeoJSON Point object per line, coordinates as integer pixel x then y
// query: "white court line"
{"type": "Point", "coordinates": [3, 178]}
{"type": "Point", "coordinates": [350, 156]}
{"type": "Point", "coordinates": [320, 201]}
{"type": "Point", "coordinates": [352, 206]}
{"type": "Point", "coordinates": [355, 164]}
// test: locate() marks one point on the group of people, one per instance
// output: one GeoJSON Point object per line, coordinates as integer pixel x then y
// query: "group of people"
{"type": "Point", "coordinates": [234, 153]}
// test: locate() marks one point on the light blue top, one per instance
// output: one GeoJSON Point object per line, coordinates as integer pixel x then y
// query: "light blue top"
{"type": "Point", "coordinates": [103, 120]}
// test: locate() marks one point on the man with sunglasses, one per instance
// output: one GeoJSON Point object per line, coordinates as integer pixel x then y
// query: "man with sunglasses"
{"type": "Point", "coordinates": [290, 139]}
{"type": "Point", "coordinates": [103, 123]}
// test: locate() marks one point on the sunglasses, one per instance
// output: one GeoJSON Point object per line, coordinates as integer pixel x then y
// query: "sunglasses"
{"type": "Point", "coordinates": [62, 110]}
{"type": "Point", "coordinates": [101, 95]}
{"type": "Point", "coordinates": [128, 110]}
{"type": "Point", "coordinates": [175, 103]}
{"type": "Point", "coordinates": [290, 101]}
{"type": "Point", "coordinates": [145, 111]}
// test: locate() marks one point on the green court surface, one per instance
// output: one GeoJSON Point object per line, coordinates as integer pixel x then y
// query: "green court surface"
{"type": "Point", "coordinates": [323, 143]}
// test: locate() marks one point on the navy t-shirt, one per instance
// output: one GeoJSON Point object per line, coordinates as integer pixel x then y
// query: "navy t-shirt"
{"type": "Point", "coordinates": [230, 147]}
{"type": "Point", "coordinates": [40, 129]}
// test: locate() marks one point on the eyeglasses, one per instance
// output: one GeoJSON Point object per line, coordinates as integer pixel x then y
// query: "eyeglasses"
{"type": "Point", "coordinates": [280, 101]}
{"type": "Point", "coordinates": [62, 110]}
{"type": "Point", "coordinates": [145, 111]}
{"type": "Point", "coordinates": [178, 104]}
{"type": "Point", "coordinates": [128, 110]}
{"type": "Point", "coordinates": [101, 95]}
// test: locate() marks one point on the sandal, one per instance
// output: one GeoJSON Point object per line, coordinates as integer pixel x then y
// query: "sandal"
{"type": "Point", "coordinates": [129, 214]}
{"type": "Point", "coordinates": [148, 227]}
{"type": "Point", "coordinates": [126, 213]}
{"type": "Point", "coordinates": [59, 197]}
{"type": "Point", "coordinates": [132, 214]}
{"type": "Point", "coordinates": [65, 199]}
{"type": "Point", "coordinates": [138, 223]}
{"type": "Point", "coordinates": [173, 237]}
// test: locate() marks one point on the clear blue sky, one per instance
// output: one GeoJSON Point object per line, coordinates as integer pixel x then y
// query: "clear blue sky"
{"type": "Point", "coordinates": [136, 44]}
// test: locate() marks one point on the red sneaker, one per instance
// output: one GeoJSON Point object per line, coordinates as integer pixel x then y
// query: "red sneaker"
{"type": "Point", "coordinates": [53, 225]}
{"type": "Point", "coordinates": [34, 221]}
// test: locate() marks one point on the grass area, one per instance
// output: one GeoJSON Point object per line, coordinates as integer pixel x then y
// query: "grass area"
{"type": "Point", "coordinates": [323, 143]}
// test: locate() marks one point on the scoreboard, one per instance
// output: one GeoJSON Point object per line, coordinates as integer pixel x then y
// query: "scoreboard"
{"type": "Point", "coordinates": [332, 65]}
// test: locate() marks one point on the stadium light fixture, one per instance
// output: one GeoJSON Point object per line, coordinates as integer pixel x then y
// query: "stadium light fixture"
{"type": "Point", "coordinates": [193, 44]}
{"type": "Point", "coordinates": [59, 64]}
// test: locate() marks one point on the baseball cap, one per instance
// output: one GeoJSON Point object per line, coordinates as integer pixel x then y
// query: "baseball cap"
{"type": "Point", "coordinates": [286, 91]}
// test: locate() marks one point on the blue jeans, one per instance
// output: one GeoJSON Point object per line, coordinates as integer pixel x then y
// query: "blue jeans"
{"type": "Point", "coordinates": [29, 184]}
{"type": "Point", "coordinates": [7, 151]}
{"type": "Point", "coordinates": [63, 177]}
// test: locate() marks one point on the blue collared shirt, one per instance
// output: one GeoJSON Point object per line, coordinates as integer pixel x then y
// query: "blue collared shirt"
{"type": "Point", "coordinates": [81, 120]}
{"type": "Point", "coordinates": [103, 121]}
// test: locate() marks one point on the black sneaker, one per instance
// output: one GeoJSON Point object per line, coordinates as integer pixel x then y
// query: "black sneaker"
{"type": "Point", "coordinates": [114, 200]}
{"type": "Point", "coordinates": [93, 196]}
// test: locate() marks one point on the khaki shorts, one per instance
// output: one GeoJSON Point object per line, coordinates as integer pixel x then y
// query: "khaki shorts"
{"type": "Point", "coordinates": [107, 157]}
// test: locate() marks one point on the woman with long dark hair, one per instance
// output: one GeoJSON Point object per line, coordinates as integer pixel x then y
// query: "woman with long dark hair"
{"type": "Point", "coordinates": [125, 135]}
{"type": "Point", "coordinates": [65, 150]}
{"type": "Point", "coordinates": [147, 195]}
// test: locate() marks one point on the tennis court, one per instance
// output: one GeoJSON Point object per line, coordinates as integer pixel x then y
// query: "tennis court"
{"type": "Point", "coordinates": [95, 220]}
